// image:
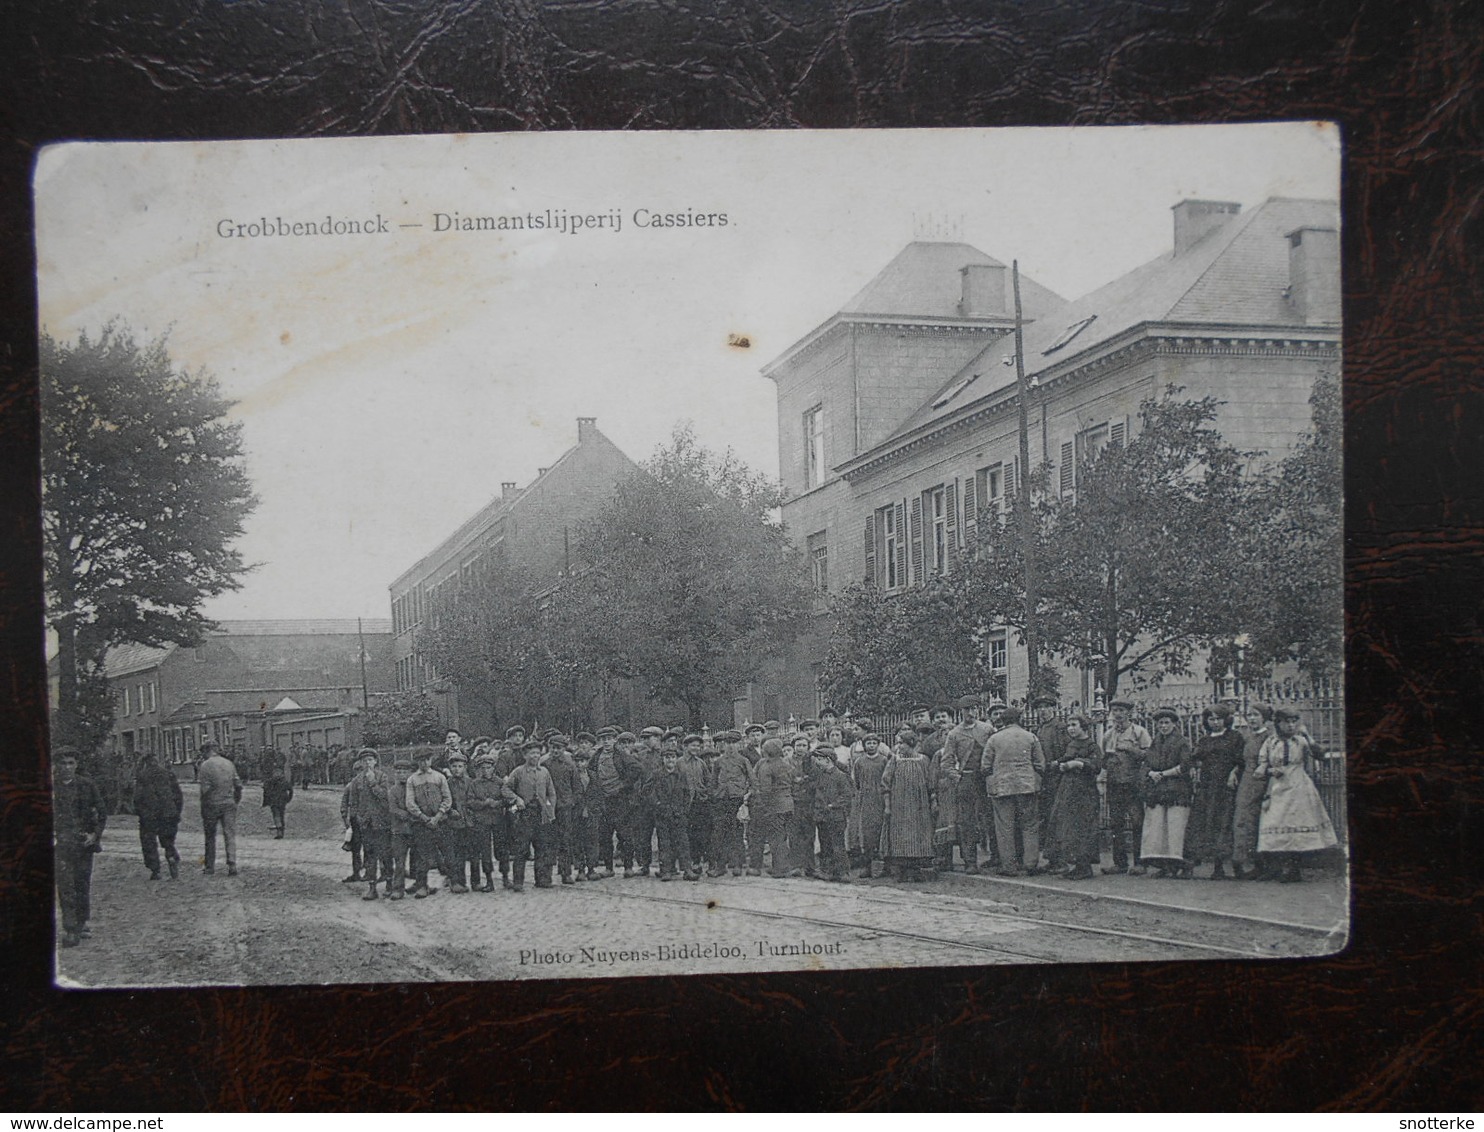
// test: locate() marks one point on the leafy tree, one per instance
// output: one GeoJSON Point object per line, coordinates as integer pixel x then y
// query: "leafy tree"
{"type": "Point", "coordinates": [143, 495]}
{"type": "Point", "coordinates": [688, 582]}
{"type": "Point", "coordinates": [1297, 550]}
{"type": "Point", "coordinates": [401, 719]}
{"type": "Point", "coordinates": [889, 651]}
{"type": "Point", "coordinates": [1143, 566]}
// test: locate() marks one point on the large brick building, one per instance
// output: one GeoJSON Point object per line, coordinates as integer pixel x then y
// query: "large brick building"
{"type": "Point", "coordinates": [534, 526]}
{"type": "Point", "coordinates": [898, 417]}
{"type": "Point", "coordinates": [249, 685]}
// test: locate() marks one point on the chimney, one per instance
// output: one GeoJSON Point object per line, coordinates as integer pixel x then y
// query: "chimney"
{"type": "Point", "coordinates": [541, 472]}
{"type": "Point", "coordinates": [507, 490]}
{"type": "Point", "coordinates": [1314, 274]}
{"type": "Point", "coordinates": [1196, 219]}
{"type": "Point", "coordinates": [586, 426]}
{"type": "Point", "coordinates": [983, 290]}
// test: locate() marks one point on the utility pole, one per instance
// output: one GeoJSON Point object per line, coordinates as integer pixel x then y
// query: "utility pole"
{"type": "Point", "coordinates": [361, 639]}
{"type": "Point", "coordinates": [1023, 485]}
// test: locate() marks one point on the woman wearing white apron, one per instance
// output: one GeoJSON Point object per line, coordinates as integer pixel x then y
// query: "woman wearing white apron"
{"type": "Point", "coordinates": [1293, 820]}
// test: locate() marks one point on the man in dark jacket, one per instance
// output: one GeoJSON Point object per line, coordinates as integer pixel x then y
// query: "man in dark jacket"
{"type": "Point", "coordinates": [158, 802]}
{"type": "Point", "coordinates": [563, 770]}
{"type": "Point", "coordinates": [370, 813]}
{"type": "Point", "coordinates": [728, 783]}
{"type": "Point", "coordinates": [78, 818]}
{"type": "Point", "coordinates": [695, 765]}
{"type": "Point", "coordinates": [454, 829]}
{"type": "Point", "coordinates": [772, 808]}
{"type": "Point", "coordinates": [674, 796]}
{"type": "Point", "coordinates": [640, 768]}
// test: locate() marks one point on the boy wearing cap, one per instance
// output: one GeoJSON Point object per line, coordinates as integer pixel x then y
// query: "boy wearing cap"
{"type": "Point", "coordinates": [454, 838]}
{"type": "Point", "coordinates": [674, 796]}
{"type": "Point", "coordinates": [428, 801]}
{"type": "Point", "coordinates": [366, 805]}
{"type": "Point", "coordinates": [772, 808]}
{"type": "Point", "coordinates": [1124, 745]}
{"type": "Point", "coordinates": [832, 793]}
{"type": "Point", "coordinates": [752, 737]}
{"type": "Point", "coordinates": [533, 798]}
{"type": "Point", "coordinates": [605, 800]}
{"type": "Point", "coordinates": [484, 806]}
{"type": "Point", "coordinates": [641, 772]}
{"type": "Point", "coordinates": [729, 782]}
{"type": "Point", "coordinates": [563, 770]}
{"type": "Point", "coordinates": [584, 832]}
{"type": "Point", "coordinates": [694, 764]}
{"type": "Point", "coordinates": [400, 834]}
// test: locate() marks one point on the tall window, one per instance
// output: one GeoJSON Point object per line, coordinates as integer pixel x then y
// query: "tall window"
{"type": "Point", "coordinates": [992, 490]}
{"type": "Point", "coordinates": [893, 561]}
{"type": "Point", "coordinates": [814, 447]}
{"type": "Point", "coordinates": [996, 654]}
{"type": "Point", "coordinates": [819, 562]}
{"type": "Point", "coordinates": [937, 509]}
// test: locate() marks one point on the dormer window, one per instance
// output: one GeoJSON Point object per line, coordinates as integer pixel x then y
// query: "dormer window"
{"type": "Point", "coordinates": [954, 390]}
{"type": "Point", "coordinates": [1069, 333]}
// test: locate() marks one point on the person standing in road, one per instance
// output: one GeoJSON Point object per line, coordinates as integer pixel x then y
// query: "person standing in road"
{"type": "Point", "coordinates": [530, 791]}
{"type": "Point", "coordinates": [1052, 732]}
{"type": "Point", "coordinates": [675, 794]}
{"type": "Point", "coordinates": [158, 802]}
{"type": "Point", "coordinates": [1165, 784]}
{"type": "Point", "coordinates": [78, 819]}
{"type": "Point", "coordinates": [1251, 788]}
{"type": "Point", "coordinates": [371, 815]}
{"type": "Point", "coordinates": [1072, 826]}
{"type": "Point", "coordinates": [866, 770]}
{"type": "Point", "coordinates": [221, 791]}
{"type": "Point", "coordinates": [771, 809]}
{"type": "Point", "coordinates": [1218, 764]}
{"type": "Point", "coordinates": [428, 804]}
{"type": "Point", "coordinates": [404, 854]}
{"type": "Point", "coordinates": [485, 807]}
{"type": "Point", "coordinates": [832, 793]}
{"type": "Point", "coordinates": [695, 765]}
{"type": "Point", "coordinates": [606, 802]}
{"type": "Point", "coordinates": [909, 801]}
{"type": "Point", "coordinates": [278, 791]}
{"type": "Point", "coordinates": [1013, 767]}
{"type": "Point", "coordinates": [1294, 822]}
{"type": "Point", "coordinates": [563, 769]}
{"type": "Point", "coordinates": [1124, 744]}
{"type": "Point", "coordinates": [453, 839]}
{"type": "Point", "coordinates": [729, 785]}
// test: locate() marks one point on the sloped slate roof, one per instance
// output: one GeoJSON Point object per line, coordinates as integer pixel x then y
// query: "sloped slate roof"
{"type": "Point", "coordinates": [311, 627]}
{"type": "Point", "coordinates": [1235, 274]}
{"type": "Point", "coordinates": [923, 281]}
{"type": "Point", "coordinates": [124, 659]}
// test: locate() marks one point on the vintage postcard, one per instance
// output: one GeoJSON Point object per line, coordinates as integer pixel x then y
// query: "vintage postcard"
{"type": "Point", "coordinates": [575, 555]}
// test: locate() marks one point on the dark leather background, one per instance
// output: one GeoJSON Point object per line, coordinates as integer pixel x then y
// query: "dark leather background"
{"type": "Point", "coordinates": [1393, 1023]}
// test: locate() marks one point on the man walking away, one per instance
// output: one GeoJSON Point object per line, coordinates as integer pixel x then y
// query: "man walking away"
{"type": "Point", "coordinates": [158, 802]}
{"type": "Point", "coordinates": [1013, 766]}
{"type": "Point", "coordinates": [221, 791]}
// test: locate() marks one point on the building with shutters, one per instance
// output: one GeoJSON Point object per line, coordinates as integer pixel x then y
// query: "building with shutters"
{"type": "Point", "coordinates": [898, 416]}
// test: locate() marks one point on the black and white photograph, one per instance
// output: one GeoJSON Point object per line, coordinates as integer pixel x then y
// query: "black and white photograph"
{"type": "Point", "coordinates": [592, 555]}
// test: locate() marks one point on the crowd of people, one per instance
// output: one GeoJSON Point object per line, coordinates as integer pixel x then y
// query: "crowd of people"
{"type": "Point", "coordinates": [833, 799]}
{"type": "Point", "coordinates": [828, 798]}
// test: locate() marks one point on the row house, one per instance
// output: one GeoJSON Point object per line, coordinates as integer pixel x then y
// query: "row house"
{"type": "Point", "coordinates": [899, 416]}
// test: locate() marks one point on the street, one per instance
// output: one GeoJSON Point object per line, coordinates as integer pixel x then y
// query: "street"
{"type": "Point", "coordinates": [287, 918]}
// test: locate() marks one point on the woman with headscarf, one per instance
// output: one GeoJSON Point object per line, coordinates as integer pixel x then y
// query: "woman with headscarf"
{"type": "Point", "coordinates": [1165, 785]}
{"type": "Point", "coordinates": [1072, 835]}
{"type": "Point", "coordinates": [1218, 759]}
{"type": "Point", "coordinates": [907, 836]}
{"type": "Point", "coordinates": [1251, 789]}
{"type": "Point", "coordinates": [1294, 820]}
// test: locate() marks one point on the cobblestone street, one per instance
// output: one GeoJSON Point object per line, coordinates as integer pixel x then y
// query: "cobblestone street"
{"type": "Point", "coordinates": [288, 919]}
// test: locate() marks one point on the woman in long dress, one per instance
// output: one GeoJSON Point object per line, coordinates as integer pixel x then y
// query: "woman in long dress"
{"type": "Point", "coordinates": [1165, 783]}
{"type": "Point", "coordinates": [1294, 820]}
{"type": "Point", "coordinates": [1251, 788]}
{"type": "Point", "coordinates": [1218, 755]}
{"type": "Point", "coordinates": [907, 833]}
{"type": "Point", "coordinates": [1072, 828]}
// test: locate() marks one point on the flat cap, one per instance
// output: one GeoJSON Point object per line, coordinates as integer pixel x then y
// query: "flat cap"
{"type": "Point", "coordinates": [512, 732]}
{"type": "Point", "coordinates": [606, 733]}
{"type": "Point", "coordinates": [586, 737]}
{"type": "Point", "coordinates": [754, 729]}
{"type": "Point", "coordinates": [1123, 704]}
{"type": "Point", "coordinates": [1166, 713]}
{"type": "Point", "coordinates": [652, 732]}
{"type": "Point", "coordinates": [625, 737]}
{"type": "Point", "coordinates": [692, 737]}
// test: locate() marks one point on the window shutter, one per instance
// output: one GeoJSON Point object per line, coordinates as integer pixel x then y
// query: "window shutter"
{"type": "Point", "coordinates": [870, 548]}
{"type": "Point", "coordinates": [950, 499]}
{"type": "Point", "coordinates": [1118, 431]}
{"type": "Point", "coordinates": [971, 506]}
{"type": "Point", "coordinates": [1008, 484]}
{"type": "Point", "coordinates": [1068, 468]}
{"type": "Point", "coordinates": [917, 573]}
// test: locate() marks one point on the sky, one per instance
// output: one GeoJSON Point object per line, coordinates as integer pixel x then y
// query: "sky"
{"type": "Point", "coordinates": [388, 382]}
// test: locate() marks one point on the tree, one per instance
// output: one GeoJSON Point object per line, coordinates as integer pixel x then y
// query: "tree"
{"type": "Point", "coordinates": [1143, 565]}
{"type": "Point", "coordinates": [890, 651]}
{"type": "Point", "coordinates": [1297, 549]}
{"type": "Point", "coordinates": [143, 494]}
{"type": "Point", "coordinates": [401, 719]}
{"type": "Point", "coordinates": [688, 582]}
